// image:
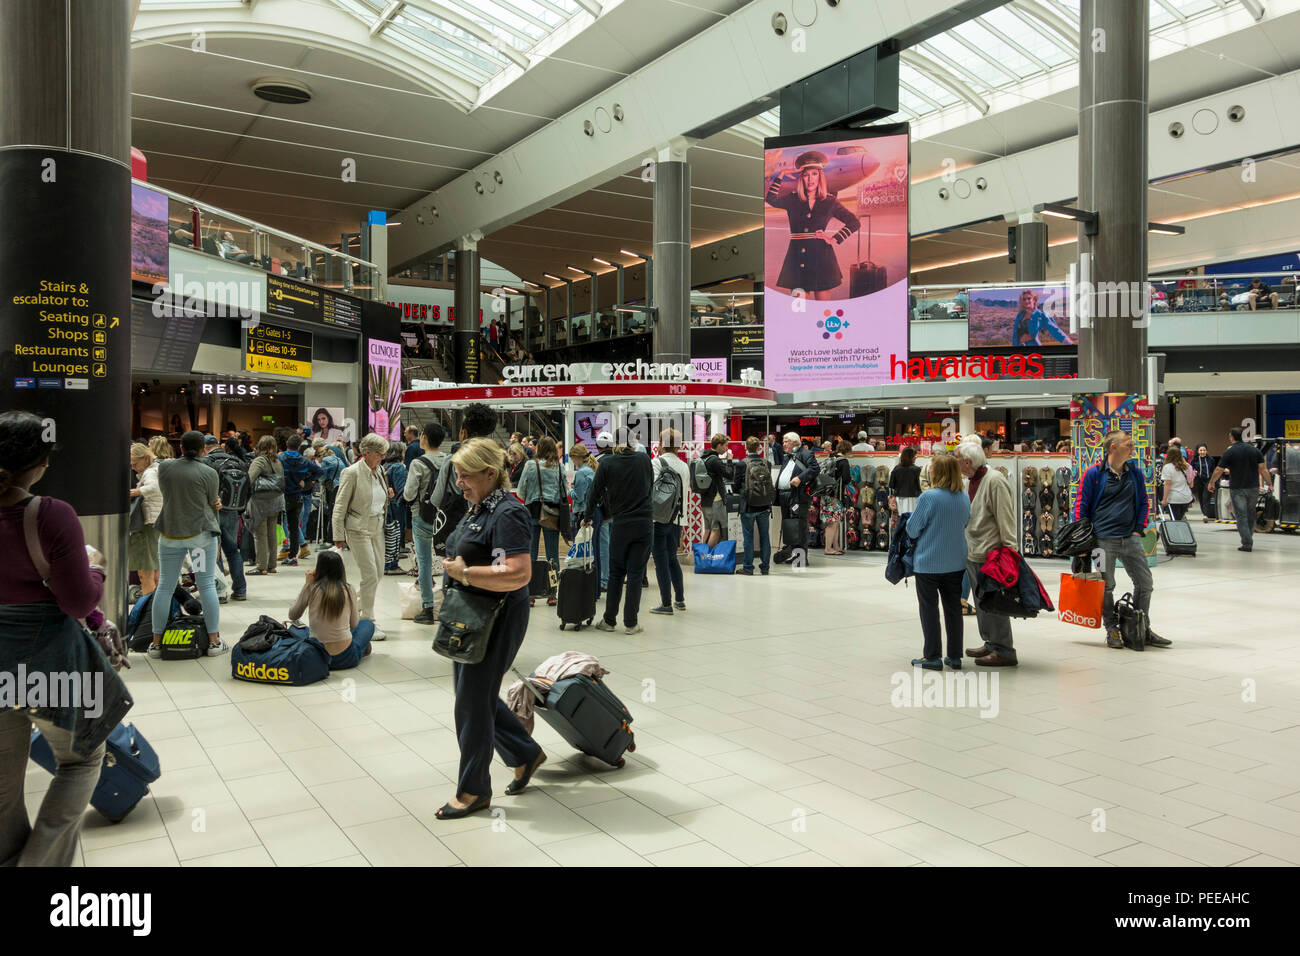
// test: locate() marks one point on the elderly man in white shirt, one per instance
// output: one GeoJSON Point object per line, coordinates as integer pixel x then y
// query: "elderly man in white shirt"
{"type": "Point", "coordinates": [863, 445]}
{"type": "Point", "coordinates": [359, 510]}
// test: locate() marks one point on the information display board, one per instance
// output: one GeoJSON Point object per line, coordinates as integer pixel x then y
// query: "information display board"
{"type": "Point", "coordinates": [165, 336]}
{"type": "Point", "coordinates": [835, 259]}
{"type": "Point", "coordinates": [342, 310]}
{"type": "Point", "coordinates": [65, 300]}
{"type": "Point", "coordinates": [293, 300]}
{"type": "Point", "coordinates": [277, 350]}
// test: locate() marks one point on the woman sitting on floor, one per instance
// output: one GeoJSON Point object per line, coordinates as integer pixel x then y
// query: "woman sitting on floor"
{"type": "Point", "coordinates": [332, 614]}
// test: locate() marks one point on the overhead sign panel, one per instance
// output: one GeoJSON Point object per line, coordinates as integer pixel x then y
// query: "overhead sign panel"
{"type": "Point", "coordinates": [277, 350]}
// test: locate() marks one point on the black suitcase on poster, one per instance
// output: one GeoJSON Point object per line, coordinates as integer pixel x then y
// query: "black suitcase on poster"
{"type": "Point", "coordinates": [576, 596]}
{"type": "Point", "coordinates": [866, 277]}
{"type": "Point", "coordinates": [1177, 536]}
{"type": "Point", "coordinates": [588, 715]}
{"type": "Point", "coordinates": [542, 583]}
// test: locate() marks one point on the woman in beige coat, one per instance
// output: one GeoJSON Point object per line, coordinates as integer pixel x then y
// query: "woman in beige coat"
{"type": "Point", "coordinates": [359, 508]}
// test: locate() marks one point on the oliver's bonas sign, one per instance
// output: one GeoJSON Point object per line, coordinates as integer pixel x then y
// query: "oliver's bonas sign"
{"type": "Point", "coordinates": [640, 370]}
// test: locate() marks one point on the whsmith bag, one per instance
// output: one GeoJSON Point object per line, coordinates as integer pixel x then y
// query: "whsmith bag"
{"type": "Point", "coordinates": [666, 495]}
{"type": "Point", "coordinates": [465, 624]}
{"type": "Point", "coordinates": [720, 560]}
{"type": "Point", "coordinates": [1080, 598]}
{"type": "Point", "coordinates": [186, 638]}
{"type": "Point", "coordinates": [293, 660]}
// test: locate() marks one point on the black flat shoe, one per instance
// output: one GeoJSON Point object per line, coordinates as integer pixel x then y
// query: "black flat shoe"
{"type": "Point", "coordinates": [517, 786]}
{"type": "Point", "coordinates": [448, 812]}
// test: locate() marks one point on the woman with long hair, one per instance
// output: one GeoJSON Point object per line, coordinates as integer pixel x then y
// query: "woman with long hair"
{"type": "Point", "coordinates": [142, 545]}
{"type": "Point", "coordinates": [810, 263]}
{"type": "Point", "coordinates": [160, 447]}
{"type": "Point", "coordinates": [39, 630]}
{"type": "Point", "coordinates": [516, 458]}
{"type": "Point", "coordinates": [322, 424]}
{"type": "Point", "coordinates": [332, 614]}
{"type": "Point", "coordinates": [266, 501]}
{"type": "Point", "coordinates": [905, 482]}
{"type": "Point", "coordinates": [542, 482]}
{"type": "Point", "coordinates": [1176, 479]}
{"type": "Point", "coordinates": [832, 500]}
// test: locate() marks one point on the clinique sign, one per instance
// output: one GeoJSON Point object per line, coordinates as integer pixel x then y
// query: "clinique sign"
{"type": "Point", "coordinates": [639, 370]}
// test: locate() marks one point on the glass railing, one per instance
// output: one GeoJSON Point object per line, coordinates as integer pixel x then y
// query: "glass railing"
{"type": "Point", "coordinates": [225, 235]}
{"type": "Point", "coordinates": [724, 308]}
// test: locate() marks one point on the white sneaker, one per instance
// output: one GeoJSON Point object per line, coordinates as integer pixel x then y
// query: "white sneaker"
{"type": "Point", "coordinates": [219, 648]}
{"type": "Point", "coordinates": [378, 635]}
{"type": "Point", "coordinates": [155, 651]}
{"type": "Point", "coordinates": [634, 629]}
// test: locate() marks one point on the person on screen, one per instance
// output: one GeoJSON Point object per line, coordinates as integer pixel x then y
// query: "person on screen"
{"type": "Point", "coordinates": [810, 263]}
{"type": "Point", "coordinates": [1031, 321]}
{"type": "Point", "coordinates": [323, 425]}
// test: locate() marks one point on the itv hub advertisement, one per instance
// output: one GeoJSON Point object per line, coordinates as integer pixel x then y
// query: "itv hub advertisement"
{"type": "Point", "coordinates": [835, 236]}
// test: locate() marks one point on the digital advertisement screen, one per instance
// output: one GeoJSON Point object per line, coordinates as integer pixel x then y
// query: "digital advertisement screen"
{"type": "Point", "coordinates": [835, 240]}
{"type": "Point", "coordinates": [330, 424]}
{"type": "Point", "coordinates": [1035, 316]}
{"type": "Point", "coordinates": [148, 235]}
{"type": "Point", "coordinates": [588, 425]}
{"type": "Point", "coordinates": [385, 389]}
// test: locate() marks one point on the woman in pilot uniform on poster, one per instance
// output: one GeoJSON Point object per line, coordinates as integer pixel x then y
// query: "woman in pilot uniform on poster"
{"type": "Point", "coordinates": [810, 262]}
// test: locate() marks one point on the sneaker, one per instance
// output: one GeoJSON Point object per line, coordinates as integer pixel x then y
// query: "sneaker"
{"type": "Point", "coordinates": [604, 625]}
{"type": "Point", "coordinates": [661, 609]}
{"type": "Point", "coordinates": [290, 562]}
{"type": "Point", "coordinates": [304, 552]}
{"type": "Point", "coordinates": [425, 616]}
{"type": "Point", "coordinates": [223, 599]}
{"type": "Point", "coordinates": [1114, 638]}
{"type": "Point", "coordinates": [747, 573]}
{"type": "Point", "coordinates": [763, 572]}
{"type": "Point", "coordinates": [379, 635]}
{"type": "Point", "coordinates": [241, 596]}
{"type": "Point", "coordinates": [219, 648]}
{"type": "Point", "coordinates": [680, 605]}
{"type": "Point", "coordinates": [283, 555]}
{"type": "Point", "coordinates": [634, 629]}
{"type": "Point", "coordinates": [155, 651]}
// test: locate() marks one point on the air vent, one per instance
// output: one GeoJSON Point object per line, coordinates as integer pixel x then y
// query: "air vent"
{"type": "Point", "coordinates": [282, 91]}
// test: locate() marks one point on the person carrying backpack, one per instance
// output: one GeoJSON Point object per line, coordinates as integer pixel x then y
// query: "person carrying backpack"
{"type": "Point", "coordinates": [667, 498]}
{"type": "Point", "coordinates": [421, 480]}
{"type": "Point", "coordinates": [754, 479]}
{"type": "Point", "coordinates": [235, 488]}
{"type": "Point", "coordinates": [710, 474]}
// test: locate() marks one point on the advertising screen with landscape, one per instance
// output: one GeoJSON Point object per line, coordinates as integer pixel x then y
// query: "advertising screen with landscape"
{"type": "Point", "coordinates": [835, 240]}
{"type": "Point", "coordinates": [148, 235]}
{"type": "Point", "coordinates": [1033, 316]}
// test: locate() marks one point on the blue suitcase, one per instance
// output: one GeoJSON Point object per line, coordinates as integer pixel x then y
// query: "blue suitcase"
{"type": "Point", "coordinates": [130, 765]}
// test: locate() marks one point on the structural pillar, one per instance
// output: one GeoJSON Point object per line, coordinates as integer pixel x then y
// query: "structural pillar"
{"type": "Point", "coordinates": [65, 251]}
{"type": "Point", "coordinates": [966, 420]}
{"type": "Point", "coordinates": [1113, 62]}
{"type": "Point", "coordinates": [466, 333]}
{"type": "Point", "coordinates": [1031, 249]}
{"type": "Point", "coordinates": [672, 253]}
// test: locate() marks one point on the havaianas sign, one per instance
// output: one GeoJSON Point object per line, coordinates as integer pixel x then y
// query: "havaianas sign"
{"type": "Point", "coordinates": [966, 366]}
{"type": "Point", "coordinates": [640, 370]}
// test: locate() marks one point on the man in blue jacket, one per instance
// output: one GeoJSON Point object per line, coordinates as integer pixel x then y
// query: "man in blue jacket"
{"type": "Point", "coordinates": [299, 474]}
{"type": "Point", "coordinates": [1113, 495]}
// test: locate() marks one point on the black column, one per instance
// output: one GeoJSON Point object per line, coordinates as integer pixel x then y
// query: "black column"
{"type": "Point", "coordinates": [65, 252]}
{"type": "Point", "coordinates": [467, 322]}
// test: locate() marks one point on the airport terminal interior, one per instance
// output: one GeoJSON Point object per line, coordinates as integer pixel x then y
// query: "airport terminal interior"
{"type": "Point", "coordinates": [854, 310]}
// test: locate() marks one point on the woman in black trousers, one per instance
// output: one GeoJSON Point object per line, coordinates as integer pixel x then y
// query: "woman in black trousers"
{"type": "Point", "coordinates": [489, 553]}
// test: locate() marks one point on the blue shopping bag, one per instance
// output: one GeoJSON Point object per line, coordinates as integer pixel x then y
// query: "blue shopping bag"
{"type": "Point", "coordinates": [720, 560]}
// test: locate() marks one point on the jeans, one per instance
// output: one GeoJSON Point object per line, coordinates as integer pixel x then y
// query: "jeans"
{"type": "Point", "coordinates": [307, 502]}
{"type": "Point", "coordinates": [202, 551]}
{"type": "Point", "coordinates": [1130, 551]}
{"type": "Point", "coordinates": [351, 655]}
{"type": "Point", "coordinates": [52, 839]}
{"type": "Point", "coordinates": [749, 520]}
{"type": "Point", "coordinates": [292, 511]}
{"type": "Point", "coordinates": [422, 534]}
{"type": "Point", "coordinates": [552, 537]}
{"type": "Point", "coordinates": [483, 721]}
{"type": "Point", "coordinates": [230, 548]}
{"type": "Point", "coordinates": [668, 570]}
{"type": "Point", "coordinates": [1243, 510]}
{"type": "Point", "coordinates": [628, 543]}
{"type": "Point", "coordinates": [995, 629]}
{"type": "Point", "coordinates": [931, 591]}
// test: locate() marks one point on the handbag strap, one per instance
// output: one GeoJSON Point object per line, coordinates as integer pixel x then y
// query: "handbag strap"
{"type": "Point", "coordinates": [30, 514]}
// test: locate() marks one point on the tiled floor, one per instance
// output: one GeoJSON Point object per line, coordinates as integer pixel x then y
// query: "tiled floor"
{"type": "Point", "coordinates": [766, 736]}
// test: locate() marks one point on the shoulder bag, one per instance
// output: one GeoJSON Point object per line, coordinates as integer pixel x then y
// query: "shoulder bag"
{"type": "Point", "coordinates": [465, 623]}
{"type": "Point", "coordinates": [547, 514]}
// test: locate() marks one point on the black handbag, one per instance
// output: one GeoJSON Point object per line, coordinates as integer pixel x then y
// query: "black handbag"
{"type": "Point", "coordinates": [1132, 623]}
{"type": "Point", "coordinates": [135, 522]}
{"type": "Point", "coordinates": [465, 623]}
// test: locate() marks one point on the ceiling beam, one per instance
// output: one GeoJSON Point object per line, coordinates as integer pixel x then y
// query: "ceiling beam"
{"type": "Point", "coordinates": [949, 81]}
{"type": "Point", "coordinates": [473, 29]}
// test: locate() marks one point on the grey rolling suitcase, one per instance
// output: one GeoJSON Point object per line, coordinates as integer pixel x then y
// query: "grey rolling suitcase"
{"type": "Point", "coordinates": [587, 714]}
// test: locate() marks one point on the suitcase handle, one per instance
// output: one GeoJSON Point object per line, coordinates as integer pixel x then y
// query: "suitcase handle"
{"type": "Point", "coordinates": [528, 682]}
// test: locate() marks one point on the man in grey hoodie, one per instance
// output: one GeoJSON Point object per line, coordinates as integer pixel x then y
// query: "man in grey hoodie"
{"type": "Point", "coordinates": [425, 471]}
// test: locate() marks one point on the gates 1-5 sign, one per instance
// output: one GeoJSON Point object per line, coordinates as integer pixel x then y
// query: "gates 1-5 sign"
{"type": "Point", "coordinates": [276, 350]}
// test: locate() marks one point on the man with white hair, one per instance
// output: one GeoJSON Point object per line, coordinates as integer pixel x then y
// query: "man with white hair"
{"type": "Point", "coordinates": [992, 525]}
{"type": "Point", "coordinates": [794, 491]}
{"type": "Point", "coordinates": [864, 443]}
{"type": "Point", "coordinates": [359, 509]}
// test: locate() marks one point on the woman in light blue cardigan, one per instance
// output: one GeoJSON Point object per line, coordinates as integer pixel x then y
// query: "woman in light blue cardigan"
{"type": "Point", "coordinates": [542, 480]}
{"type": "Point", "coordinates": [938, 531]}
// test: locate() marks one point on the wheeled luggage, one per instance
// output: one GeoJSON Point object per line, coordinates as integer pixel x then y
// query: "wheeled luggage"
{"type": "Point", "coordinates": [576, 596]}
{"type": "Point", "coordinates": [587, 714]}
{"type": "Point", "coordinates": [866, 277]}
{"type": "Point", "coordinates": [543, 581]}
{"type": "Point", "coordinates": [130, 765]}
{"type": "Point", "coordinates": [1176, 536]}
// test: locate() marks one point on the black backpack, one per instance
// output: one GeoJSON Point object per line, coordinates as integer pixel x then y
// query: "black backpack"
{"type": "Point", "coordinates": [236, 489]}
{"type": "Point", "coordinates": [759, 490]}
{"type": "Point", "coordinates": [828, 476]}
{"type": "Point", "coordinates": [428, 508]}
{"type": "Point", "coordinates": [453, 508]}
